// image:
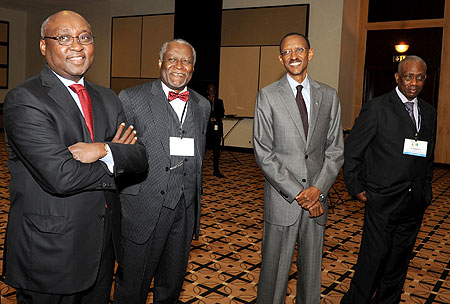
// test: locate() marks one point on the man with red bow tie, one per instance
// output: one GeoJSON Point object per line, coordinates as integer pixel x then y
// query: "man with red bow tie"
{"type": "Point", "coordinates": [161, 209]}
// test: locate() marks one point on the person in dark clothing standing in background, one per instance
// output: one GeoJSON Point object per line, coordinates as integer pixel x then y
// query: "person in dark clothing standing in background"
{"type": "Point", "coordinates": [215, 127]}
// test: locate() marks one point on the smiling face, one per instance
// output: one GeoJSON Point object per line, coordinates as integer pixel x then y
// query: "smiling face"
{"type": "Point", "coordinates": [296, 62]}
{"type": "Point", "coordinates": [177, 66]}
{"type": "Point", "coordinates": [72, 61]}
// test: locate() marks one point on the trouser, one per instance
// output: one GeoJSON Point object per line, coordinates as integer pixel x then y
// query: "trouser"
{"type": "Point", "coordinates": [386, 246]}
{"type": "Point", "coordinates": [277, 252]}
{"type": "Point", "coordinates": [164, 258]}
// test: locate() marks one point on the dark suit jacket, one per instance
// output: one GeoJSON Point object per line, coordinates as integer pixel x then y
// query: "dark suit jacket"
{"type": "Point", "coordinates": [146, 108]}
{"type": "Point", "coordinates": [56, 221]}
{"type": "Point", "coordinates": [374, 159]}
{"type": "Point", "coordinates": [218, 114]}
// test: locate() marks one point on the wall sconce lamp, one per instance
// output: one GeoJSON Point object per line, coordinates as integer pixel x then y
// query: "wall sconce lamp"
{"type": "Point", "coordinates": [402, 47]}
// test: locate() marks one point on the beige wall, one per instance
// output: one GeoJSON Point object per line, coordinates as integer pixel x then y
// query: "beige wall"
{"type": "Point", "coordinates": [347, 72]}
{"type": "Point", "coordinates": [141, 7]}
{"type": "Point", "coordinates": [17, 28]}
{"type": "Point", "coordinates": [325, 24]}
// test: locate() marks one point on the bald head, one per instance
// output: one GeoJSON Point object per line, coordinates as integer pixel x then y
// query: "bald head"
{"type": "Point", "coordinates": [59, 14]}
{"type": "Point", "coordinates": [410, 58]}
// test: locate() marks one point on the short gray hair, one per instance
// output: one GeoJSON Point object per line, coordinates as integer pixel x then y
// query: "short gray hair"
{"type": "Point", "coordinates": [410, 58]}
{"type": "Point", "coordinates": [182, 41]}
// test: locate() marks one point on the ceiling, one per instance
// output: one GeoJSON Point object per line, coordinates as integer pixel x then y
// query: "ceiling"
{"type": "Point", "coordinates": [28, 5]}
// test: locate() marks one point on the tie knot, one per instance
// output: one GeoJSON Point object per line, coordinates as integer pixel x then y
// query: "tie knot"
{"type": "Point", "coordinates": [409, 105]}
{"type": "Point", "coordinates": [299, 88]}
{"type": "Point", "coordinates": [77, 87]}
{"type": "Point", "coordinates": [184, 96]}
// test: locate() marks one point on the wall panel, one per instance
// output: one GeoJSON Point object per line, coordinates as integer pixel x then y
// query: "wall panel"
{"type": "Point", "coordinates": [156, 30]}
{"type": "Point", "coordinates": [126, 47]}
{"type": "Point", "coordinates": [238, 80]}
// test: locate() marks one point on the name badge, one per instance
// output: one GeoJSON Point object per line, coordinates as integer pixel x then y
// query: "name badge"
{"type": "Point", "coordinates": [181, 146]}
{"type": "Point", "coordinates": [415, 147]}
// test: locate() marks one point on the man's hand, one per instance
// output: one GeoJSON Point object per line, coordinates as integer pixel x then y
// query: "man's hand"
{"type": "Point", "coordinates": [362, 196]}
{"type": "Point", "coordinates": [127, 137]}
{"type": "Point", "coordinates": [309, 200]}
{"type": "Point", "coordinates": [87, 152]}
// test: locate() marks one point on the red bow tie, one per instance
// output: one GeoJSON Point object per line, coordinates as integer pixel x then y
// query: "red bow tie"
{"type": "Point", "coordinates": [184, 96]}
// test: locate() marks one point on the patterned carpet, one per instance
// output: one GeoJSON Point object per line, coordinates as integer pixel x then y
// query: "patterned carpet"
{"type": "Point", "coordinates": [224, 262]}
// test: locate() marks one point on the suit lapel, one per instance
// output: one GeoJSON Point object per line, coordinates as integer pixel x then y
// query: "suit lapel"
{"type": "Point", "coordinates": [314, 107]}
{"type": "Point", "coordinates": [99, 119]}
{"type": "Point", "coordinates": [197, 114]}
{"type": "Point", "coordinates": [61, 96]}
{"type": "Point", "coordinates": [158, 106]}
{"type": "Point", "coordinates": [399, 107]}
{"type": "Point", "coordinates": [288, 99]}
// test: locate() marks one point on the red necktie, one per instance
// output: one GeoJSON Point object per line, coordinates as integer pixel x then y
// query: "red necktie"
{"type": "Point", "coordinates": [302, 108]}
{"type": "Point", "coordinates": [184, 96]}
{"type": "Point", "coordinates": [86, 105]}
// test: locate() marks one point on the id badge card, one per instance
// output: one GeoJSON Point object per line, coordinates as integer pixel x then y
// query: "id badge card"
{"type": "Point", "coordinates": [415, 147]}
{"type": "Point", "coordinates": [181, 146]}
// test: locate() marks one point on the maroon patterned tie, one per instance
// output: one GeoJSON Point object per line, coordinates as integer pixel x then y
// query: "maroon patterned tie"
{"type": "Point", "coordinates": [302, 108]}
{"type": "Point", "coordinates": [86, 105]}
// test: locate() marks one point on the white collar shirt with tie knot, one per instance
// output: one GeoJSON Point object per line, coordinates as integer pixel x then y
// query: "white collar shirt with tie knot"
{"type": "Point", "coordinates": [415, 107]}
{"type": "Point", "coordinates": [306, 92]}
{"type": "Point", "coordinates": [177, 104]}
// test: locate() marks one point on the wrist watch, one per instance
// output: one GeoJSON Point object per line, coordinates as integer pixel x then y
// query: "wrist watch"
{"type": "Point", "coordinates": [321, 198]}
{"type": "Point", "coordinates": [106, 147]}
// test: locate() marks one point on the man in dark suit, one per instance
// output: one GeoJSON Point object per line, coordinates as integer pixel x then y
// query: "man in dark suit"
{"type": "Point", "coordinates": [388, 166]}
{"type": "Point", "coordinates": [215, 127]}
{"type": "Point", "coordinates": [161, 210]}
{"type": "Point", "coordinates": [300, 151]}
{"type": "Point", "coordinates": [58, 243]}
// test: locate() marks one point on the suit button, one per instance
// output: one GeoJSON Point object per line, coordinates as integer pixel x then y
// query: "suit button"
{"type": "Point", "coordinates": [167, 168]}
{"type": "Point", "coordinates": [304, 180]}
{"type": "Point", "coordinates": [101, 217]}
{"type": "Point", "coordinates": [185, 159]}
{"type": "Point", "coordinates": [184, 174]}
{"type": "Point", "coordinates": [103, 185]}
{"type": "Point", "coordinates": [162, 192]}
{"type": "Point", "coordinates": [306, 156]}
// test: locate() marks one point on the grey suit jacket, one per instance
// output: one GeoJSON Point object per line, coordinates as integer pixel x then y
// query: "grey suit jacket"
{"type": "Point", "coordinates": [291, 163]}
{"type": "Point", "coordinates": [143, 196]}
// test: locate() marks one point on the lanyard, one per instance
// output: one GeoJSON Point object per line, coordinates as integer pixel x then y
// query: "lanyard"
{"type": "Point", "coordinates": [181, 120]}
{"type": "Point", "coordinates": [419, 123]}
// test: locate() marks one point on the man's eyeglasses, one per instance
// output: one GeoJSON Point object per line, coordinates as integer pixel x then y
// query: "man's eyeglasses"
{"type": "Point", "coordinates": [419, 77]}
{"type": "Point", "coordinates": [67, 40]}
{"type": "Point", "coordinates": [298, 51]}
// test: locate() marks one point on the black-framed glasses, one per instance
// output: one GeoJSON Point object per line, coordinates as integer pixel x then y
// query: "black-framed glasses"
{"type": "Point", "coordinates": [298, 51]}
{"type": "Point", "coordinates": [418, 77]}
{"type": "Point", "coordinates": [67, 40]}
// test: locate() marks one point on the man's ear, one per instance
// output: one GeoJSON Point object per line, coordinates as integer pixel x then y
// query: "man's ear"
{"type": "Point", "coordinates": [42, 46]}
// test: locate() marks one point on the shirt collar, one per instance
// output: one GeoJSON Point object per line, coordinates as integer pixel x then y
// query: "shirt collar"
{"type": "Point", "coordinates": [403, 97]}
{"type": "Point", "coordinates": [68, 82]}
{"type": "Point", "coordinates": [166, 89]}
{"type": "Point", "coordinates": [293, 83]}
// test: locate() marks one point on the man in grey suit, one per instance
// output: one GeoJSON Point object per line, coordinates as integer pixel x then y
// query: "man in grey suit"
{"type": "Point", "coordinates": [161, 209]}
{"type": "Point", "coordinates": [299, 147]}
